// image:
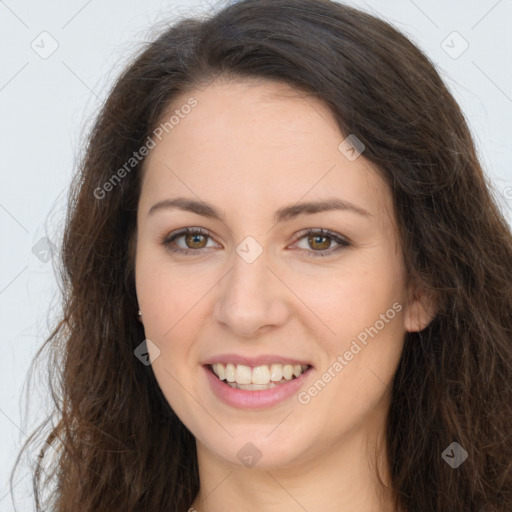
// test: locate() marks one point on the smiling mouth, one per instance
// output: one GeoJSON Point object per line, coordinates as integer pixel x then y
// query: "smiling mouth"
{"type": "Point", "coordinates": [257, 378]}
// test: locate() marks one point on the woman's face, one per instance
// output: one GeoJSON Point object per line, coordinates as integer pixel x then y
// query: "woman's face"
{"type": "Point", "coordinates": [254, 289]}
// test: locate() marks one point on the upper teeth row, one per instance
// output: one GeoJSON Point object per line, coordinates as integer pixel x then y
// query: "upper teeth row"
{"type": "Point", "coordinates": [243, 374]}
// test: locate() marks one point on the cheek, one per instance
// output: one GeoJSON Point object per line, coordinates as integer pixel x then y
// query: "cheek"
{"type": "Point", "coordinates": [342, 302]}
{"type": "Point", "coordinates": [169, 295]}
{"type": "Point", "coordinates": [172, 299]}
{"type": "Point", "coordinates": [167, 299]}
{"type": "Point", "coordinates": [361, 329]}
{"type": "Point", "coordinates": [360, 360]}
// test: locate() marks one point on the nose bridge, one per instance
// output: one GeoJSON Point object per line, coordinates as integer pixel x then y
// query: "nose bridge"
{"type": "Point", "coordinates": [250, 297]}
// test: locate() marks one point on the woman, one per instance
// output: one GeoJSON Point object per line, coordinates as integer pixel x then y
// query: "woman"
{"type": "Point", "coordinates": [287, 284]}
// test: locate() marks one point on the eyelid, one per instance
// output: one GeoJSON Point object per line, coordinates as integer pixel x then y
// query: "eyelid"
{"type": "Point", "coordinates": [342, 241]}
{"type": "Point", "coordinates": [167, 239]}
{"type": "Point", "coordinates": [323, 232]}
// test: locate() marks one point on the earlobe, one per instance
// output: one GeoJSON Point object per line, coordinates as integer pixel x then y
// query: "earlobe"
{"type": "Point", "coordinates": [420, 311]}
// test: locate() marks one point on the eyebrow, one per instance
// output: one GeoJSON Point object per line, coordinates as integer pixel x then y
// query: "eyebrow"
{"type": "Point", "coordinates": [288, 212]}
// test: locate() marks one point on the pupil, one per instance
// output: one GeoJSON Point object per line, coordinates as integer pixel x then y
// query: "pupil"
{"type": "Point", "coordinates": [195, 238]}
{"type": "Point", "coordinates": [316, 240]}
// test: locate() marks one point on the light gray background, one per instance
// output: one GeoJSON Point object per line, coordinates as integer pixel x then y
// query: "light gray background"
{"type": "Point", "coordinates": [48, 101]}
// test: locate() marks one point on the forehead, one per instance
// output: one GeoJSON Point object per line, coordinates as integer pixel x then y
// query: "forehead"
{"type": "Point", "coordinates": [255, 142]}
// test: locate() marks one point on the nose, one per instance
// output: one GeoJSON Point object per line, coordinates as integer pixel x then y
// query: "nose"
{"type": "Point", "coordinates": [253, 299]}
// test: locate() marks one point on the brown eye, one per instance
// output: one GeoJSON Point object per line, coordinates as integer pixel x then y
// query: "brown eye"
{"type": "Point", "coordinates": [319, 242]}
{"type": "Point", "coordinates": [315, 242]}
{"type": "Point", "coordinates": [195, 239]}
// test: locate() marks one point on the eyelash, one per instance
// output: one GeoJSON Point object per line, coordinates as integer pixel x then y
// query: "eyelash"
{"type": "Point", "coordinates": [343, 243]}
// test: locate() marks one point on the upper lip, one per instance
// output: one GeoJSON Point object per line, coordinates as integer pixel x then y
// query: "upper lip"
{"type": "Point", "coordinates": [265, 359]}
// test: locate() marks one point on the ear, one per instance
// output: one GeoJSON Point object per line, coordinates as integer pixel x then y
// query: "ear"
{"type": "Point", "coordinates": [420, 310]}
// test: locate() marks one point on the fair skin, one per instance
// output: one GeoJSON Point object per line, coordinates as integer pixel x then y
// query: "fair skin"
{"type": "Point", "coordinates": [249, 148]}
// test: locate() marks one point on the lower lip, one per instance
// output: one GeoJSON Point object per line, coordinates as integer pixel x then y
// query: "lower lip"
{"type": "Point", "coordinates": [259, 399]}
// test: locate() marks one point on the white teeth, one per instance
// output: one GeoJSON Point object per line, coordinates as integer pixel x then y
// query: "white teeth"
{"type": "Point", "coordinates": [219, 371]}
{"type": "Point", "coordinates": [287, 371]}
{"type": "Point", "coordinates": [276, 372]}
{"type": "Point", "coordinates": [230, 372]}
{"type": "Point", "coordinates": [259, 377]}
{"type": "Point", "coordinates": [252, 387]}
{"type": "Point", "coordinates": [243, 374]}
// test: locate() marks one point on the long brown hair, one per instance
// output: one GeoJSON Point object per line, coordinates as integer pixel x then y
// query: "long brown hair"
{"type": "Point", "coordinates": [120, 446]}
